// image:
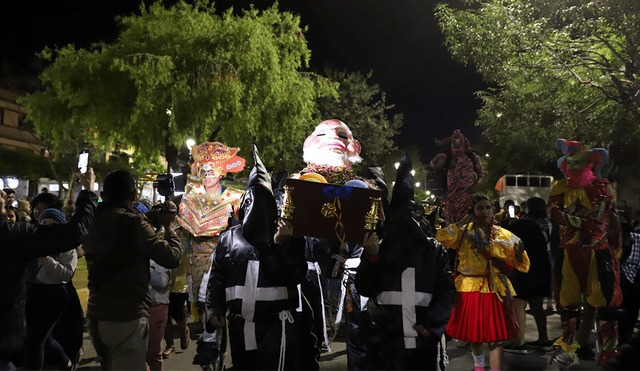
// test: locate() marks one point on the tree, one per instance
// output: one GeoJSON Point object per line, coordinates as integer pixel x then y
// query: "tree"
{"type": "Point", "coordinates": [185, 72]}
{"type": "Point", "coordinates": [363, 107]}
{"type": "Point", "coordinates": [557, 69]}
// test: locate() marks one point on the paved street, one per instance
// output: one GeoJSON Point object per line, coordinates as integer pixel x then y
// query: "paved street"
{"type": "Point", "coordinates": [459, 355]}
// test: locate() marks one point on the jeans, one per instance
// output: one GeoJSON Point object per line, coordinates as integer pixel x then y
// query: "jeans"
{"type": "Point", "coordinates": [45, 304]}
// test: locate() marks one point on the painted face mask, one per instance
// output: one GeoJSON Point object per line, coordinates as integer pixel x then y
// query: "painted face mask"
{"type": "Point", "coordinates": [331, 143]}
{"type": "Point", "coordinates": [581, 167]}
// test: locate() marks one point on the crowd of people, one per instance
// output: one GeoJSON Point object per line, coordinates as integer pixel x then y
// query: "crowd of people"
{"type": "Point", "coordinates": [233, 259]}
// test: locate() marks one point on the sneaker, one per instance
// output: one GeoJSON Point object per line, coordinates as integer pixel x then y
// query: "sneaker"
{"type": "Point", "coordinates": [512, 348]}
{"type": "Point", "coordinates": [168, 352]}
{"type": "Point", "coordinates": [562, 359]}
{"type": "Point", "coordinates": [206, 353]}
{"type": "Point", "coordinates": [541, 345]}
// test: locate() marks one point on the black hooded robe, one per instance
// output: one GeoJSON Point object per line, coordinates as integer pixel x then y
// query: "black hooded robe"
{"type": "Point", "coordinates": [408, 283]}
{"type": "Point", "coordinates": [257, 281]}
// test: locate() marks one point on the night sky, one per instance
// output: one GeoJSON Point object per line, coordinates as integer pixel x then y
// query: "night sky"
{"type": "Point", "coordinates": [398, 40]}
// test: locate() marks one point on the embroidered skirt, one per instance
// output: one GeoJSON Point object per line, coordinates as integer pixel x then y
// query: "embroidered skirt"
{"type": "Point", "coordinates": [481, 318]}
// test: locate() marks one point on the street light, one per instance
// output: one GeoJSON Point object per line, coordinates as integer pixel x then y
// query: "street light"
{"type": "Point", "coordinates": [413, 172]}
{"type": "Point", "coordinates": [397, 165]}
{"type": "Point", "coordinates": [190, 143]}
{"type": "Point", "coordinates": [417, 184]}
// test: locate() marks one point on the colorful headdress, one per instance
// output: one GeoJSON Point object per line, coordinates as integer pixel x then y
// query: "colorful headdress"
{"type": "Point", "coordinates": [596, 156]}
{"type": "Point", "coordinates": [215, 155]}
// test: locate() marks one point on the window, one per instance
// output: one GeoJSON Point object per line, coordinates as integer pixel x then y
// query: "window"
{"type": "Point", "coordinates": [522, 181]}
{"type": "Point", "coordinates": [510, 181]}
{"type": "Point", "coordinates": [546, 182]}
{"type": "Point", "coordinates": [534, 181]}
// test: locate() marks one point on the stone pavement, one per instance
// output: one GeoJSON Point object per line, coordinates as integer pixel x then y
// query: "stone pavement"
{"type": "Point", "coordinates": [459, 354]}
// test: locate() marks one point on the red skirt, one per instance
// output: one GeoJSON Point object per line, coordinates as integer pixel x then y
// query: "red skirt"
{"type": "Point", "coordinates": [481, 318]}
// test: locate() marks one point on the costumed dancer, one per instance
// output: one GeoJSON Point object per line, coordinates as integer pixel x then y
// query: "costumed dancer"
{"type": "Point", "coordinates": [463, 170]}
{"type": "Point", "coordinates": [410, 285]}
{"type": "Point", "coordinates": [484, 311]}
{"type": "Point", "coordinates": [205, 211]}
{"type": "Point", "coordinates": [329, 152]}
{"type": "Point", "coordinates": [586, 268]}
{"type": "Point", "coordinates": [255, 272]}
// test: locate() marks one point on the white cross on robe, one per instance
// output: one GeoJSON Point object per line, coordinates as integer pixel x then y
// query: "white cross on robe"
{"type": "Point", "coordinates": [408, 298]}
{"type": "Point", "coordinates": [250, 293]}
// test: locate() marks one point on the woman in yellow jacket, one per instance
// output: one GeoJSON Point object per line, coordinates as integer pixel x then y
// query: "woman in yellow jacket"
{"type": "Point", "coordinates": [484, 311]}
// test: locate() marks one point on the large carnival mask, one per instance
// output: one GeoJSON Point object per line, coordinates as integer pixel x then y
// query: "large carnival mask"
{"type": "Point", "coordinates": [581, 167]}
{"type": "Point", "coordinates": [332, 144]}
{"type": "Point", "coordinates": [458, 142]}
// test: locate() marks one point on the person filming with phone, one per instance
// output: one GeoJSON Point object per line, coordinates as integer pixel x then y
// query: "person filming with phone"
{"type": "Point", "coordinates": [22, 243]}
{"type": "Point", "coordinates": [118, 248]}
{"type": "Point", "coordinates": [507, 214]}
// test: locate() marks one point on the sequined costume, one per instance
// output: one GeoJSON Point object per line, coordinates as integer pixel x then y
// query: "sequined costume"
{"type": "Point", "coordinates": [202, 214]}
{"type": "Point", "coordinates": [481, 280]}
{"type": "Point", "coordinates": [464, 171]}
{"type": "Point", "coordinates": [587, 267]}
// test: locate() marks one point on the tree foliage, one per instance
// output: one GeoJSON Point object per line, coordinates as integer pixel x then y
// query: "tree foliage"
{"type": "Point", "coordinates": [234, 79]}
{"type": "Point", "coordinates": [363, 107]}
{"type": "Point", "coordinates": [558, 69]}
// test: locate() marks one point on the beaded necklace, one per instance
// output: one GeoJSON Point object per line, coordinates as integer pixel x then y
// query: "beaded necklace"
{"type": "Point", "coordinates": [333, 174]}
{"type": "Point", "coordinates": [483, 244]}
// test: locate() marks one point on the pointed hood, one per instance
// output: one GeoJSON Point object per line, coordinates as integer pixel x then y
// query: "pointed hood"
{"type": "Point", "coordinates": [402, 197]}
{"type": "Point", "coordinates": [258, 212]}
{"type": "Point", "coordinates": [403, 237]}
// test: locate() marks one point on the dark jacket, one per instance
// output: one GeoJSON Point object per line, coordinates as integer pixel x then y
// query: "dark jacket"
{"type": "Point", "coordinates": [432, 275]}
{"type": "Point", "coordinates": [280, 265]}
{"type": "Point", "coordinates": [21, 243]}
{"type": "Point", "coordinates": [118, 248]}
{"type": "Point", "coordinates": [415, 267]}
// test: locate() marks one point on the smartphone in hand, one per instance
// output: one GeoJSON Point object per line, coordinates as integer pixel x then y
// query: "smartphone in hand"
{"type": "Point", "coordinates": [83, 162]}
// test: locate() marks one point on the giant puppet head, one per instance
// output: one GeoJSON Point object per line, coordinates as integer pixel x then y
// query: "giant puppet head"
{"type": "Point", "coordinates": [579, 165]}
{"type": "Point", "coordinates": [458, 142]}
{"type": "Point", "coordinates": [258, 211]}
{"type": "Point", "coordinates": [331, 144]}
{"type": "Point", "coordinates": [213, 160]}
